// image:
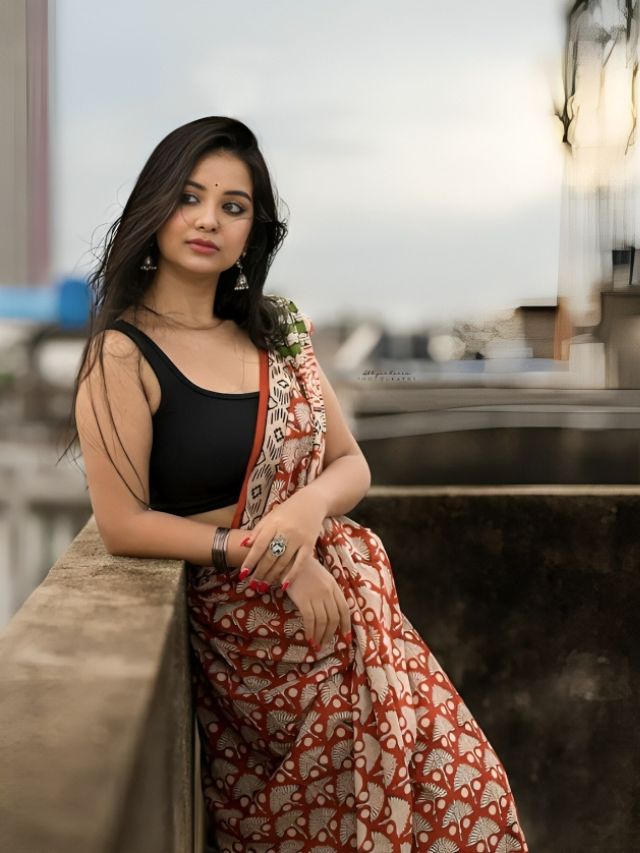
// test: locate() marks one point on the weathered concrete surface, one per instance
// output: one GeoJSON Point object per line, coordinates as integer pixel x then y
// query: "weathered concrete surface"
{"type": "Point", "coordinates": [95, 719]}
{"type": "Point", "coordinates": [529, 598]}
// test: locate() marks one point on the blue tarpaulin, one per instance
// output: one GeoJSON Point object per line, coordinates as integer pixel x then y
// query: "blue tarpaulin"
{"type": "Point", "coordinates": [65, 303]}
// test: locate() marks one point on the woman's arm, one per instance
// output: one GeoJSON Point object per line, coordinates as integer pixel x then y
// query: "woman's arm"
{"type": "Point", "coordinates": [166, 536]}
{"type": "Point", "coordinates": [346, 477]}
{"type": "Point", "coordinates": [341, 485]}
{"type": "Point", "coordinates": [126, 526]}
{"type": "Point", "coordinates": [343, 482]}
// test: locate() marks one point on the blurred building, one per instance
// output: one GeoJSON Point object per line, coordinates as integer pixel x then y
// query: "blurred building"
{"type": "Point", "coordinates": [42, 506]}
{"type": "Point", "coordinates": [24, 141]}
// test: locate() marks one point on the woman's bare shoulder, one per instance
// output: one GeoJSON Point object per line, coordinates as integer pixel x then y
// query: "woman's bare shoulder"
{"type": "Point", "coordinates": [112, 351]}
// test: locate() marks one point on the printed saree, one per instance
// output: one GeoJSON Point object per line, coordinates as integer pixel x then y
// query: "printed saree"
{"type": "Point", "coordinates": [366, 746]}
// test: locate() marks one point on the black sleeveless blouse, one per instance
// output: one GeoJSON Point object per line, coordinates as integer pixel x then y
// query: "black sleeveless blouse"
{"type": "Point", "coordinates": [202, 440]}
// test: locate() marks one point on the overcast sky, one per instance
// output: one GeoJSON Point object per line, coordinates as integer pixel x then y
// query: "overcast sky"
{"type": "Point", "coordinates": [413, 141]}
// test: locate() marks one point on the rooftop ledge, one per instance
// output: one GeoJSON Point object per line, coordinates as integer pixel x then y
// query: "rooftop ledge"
{"type": "Point", "coordinates": [528, 597]}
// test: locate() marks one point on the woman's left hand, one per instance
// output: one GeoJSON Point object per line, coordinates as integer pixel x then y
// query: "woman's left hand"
{"type": "Point", "coordinates": [299, 520]}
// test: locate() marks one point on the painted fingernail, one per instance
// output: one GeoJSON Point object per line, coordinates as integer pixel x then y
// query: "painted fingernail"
{"type": "Point", "coordinates": [285, 585]}
{"type": "Point", "coordinates": [348, 636]}
{"type": "Point", "coordinates": [263, 586]}
{"type": "Point", "coordinates": [254, 585]}
{"type": "Point", "coordinates": [244, 572]}
{"type": "Point", "coordinates": [246, 542]}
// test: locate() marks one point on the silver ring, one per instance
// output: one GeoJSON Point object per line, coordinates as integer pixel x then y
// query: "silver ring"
{"type": "Point", "coordinates": [278, 545]}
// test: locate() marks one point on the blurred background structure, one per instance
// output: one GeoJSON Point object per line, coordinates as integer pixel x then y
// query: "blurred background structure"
{"type": "Point", "coordinates": [42, 322]}
{"type": "Point", "coordinates": [463, 233]}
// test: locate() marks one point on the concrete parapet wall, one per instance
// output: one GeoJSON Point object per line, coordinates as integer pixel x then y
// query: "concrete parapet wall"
{"type": "Point", "coordinates": [528, 597]}
{"type": "Point", "coordinates": [96, 726]}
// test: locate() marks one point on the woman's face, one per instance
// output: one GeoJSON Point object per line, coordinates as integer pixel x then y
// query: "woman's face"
{"type": "Point", "coordinates": [216, 205]}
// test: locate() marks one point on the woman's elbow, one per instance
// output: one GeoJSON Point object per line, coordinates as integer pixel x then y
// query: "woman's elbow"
{"type": "Point", "coordinates": [115, 540]}
{"type": "Point", "coordinates": [366, 469]}
{"type": "Point", "coordinates": [369, 481]}
{"type": "Point", "coordinates": [114, 545]}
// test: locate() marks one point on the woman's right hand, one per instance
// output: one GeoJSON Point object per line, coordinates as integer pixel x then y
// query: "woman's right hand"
{"type": "Point", "coordinates": [321, 602]}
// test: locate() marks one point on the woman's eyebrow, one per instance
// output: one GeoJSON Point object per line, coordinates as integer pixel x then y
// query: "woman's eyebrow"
{"type": "Point", "coordinates": [226, 192]}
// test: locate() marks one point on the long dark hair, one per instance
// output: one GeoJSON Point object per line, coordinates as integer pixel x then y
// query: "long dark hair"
{"type": "Point", "coordinates": [117, 282]}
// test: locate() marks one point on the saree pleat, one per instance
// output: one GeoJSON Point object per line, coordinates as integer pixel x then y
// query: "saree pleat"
{"type": "Point", "coordinates": [363, 746]}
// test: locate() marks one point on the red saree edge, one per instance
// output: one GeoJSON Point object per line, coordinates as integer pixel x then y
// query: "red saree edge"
{"type": "Point", "coordinates": [258, 437]}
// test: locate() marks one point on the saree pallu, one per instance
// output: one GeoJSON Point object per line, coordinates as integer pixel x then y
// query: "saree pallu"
{"type": "Point", "coordinates": [363, 746]}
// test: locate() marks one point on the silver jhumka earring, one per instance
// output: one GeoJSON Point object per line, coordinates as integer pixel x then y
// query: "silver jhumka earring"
{"type": "Point", "coordinates": [241, 281]}
{"type": "Point", "coordinates": [148, 264]}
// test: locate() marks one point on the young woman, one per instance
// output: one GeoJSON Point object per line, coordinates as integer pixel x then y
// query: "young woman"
{"type": "Point", "coordinates": [211, 434]}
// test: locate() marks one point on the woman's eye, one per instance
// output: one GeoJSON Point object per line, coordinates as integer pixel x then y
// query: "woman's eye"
{"type": "Point", "coordinates": [238, 208]}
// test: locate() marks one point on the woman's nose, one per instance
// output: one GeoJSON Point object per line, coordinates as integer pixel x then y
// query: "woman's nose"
{"type": "Point", "coordinates": [207, 219]}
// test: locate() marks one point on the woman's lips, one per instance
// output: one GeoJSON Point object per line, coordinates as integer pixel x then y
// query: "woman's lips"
{"type": "Point", "coordinates": [202, 249]}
